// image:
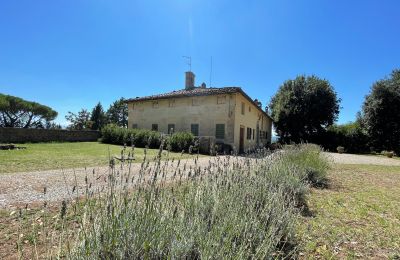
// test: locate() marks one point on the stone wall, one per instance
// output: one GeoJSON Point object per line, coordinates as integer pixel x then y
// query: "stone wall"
{"type": "Point", "coordinates": [24, 135]}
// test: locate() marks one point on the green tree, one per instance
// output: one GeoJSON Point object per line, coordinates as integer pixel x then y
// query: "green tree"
{"type": "Point", "coordinates": [98, 117]}
{"type": "Point", "coordinates": [381, 113]}
{"type": "Point", "coordinates": [17, 112]}
{"type": "Point", "coordinates": [52, 125]}
{"type": "Point", "coordinates": [118, 113]}
{"type": "Point", "coordinates": [79, 121]}
{"type": "Point", "coordinates": [351, 136]}
{"type": "Point", "coordinates": [303, 107]}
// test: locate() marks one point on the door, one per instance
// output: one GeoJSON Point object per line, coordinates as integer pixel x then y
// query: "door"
{"type": "Point", "coordinates": [258, 135]}
{"type": "Point", "coordinates": [241, 140]}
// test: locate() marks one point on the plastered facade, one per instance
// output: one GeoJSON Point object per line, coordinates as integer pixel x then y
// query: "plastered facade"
{"type": "Point", "coordinates": [207, 112]}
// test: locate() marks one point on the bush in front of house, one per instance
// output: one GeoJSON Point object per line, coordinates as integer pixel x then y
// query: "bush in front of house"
{"type": "Point", "coordinates": [177, 142]}
{"type": "Point", "coordinates": [180, 141]}
{"type": "Point", "coordinates": [112, 134]}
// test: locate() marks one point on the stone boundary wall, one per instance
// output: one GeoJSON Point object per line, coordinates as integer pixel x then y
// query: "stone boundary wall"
{"type": "Point", "coordinates": [25, 135]}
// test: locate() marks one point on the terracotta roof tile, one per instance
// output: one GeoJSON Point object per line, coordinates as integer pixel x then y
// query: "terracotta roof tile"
{"type": "Point", "coordinates": [189, 93]}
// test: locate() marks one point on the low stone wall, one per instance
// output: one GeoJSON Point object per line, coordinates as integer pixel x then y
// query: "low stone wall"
{"type": "Point", "coordinates": [25, 135]}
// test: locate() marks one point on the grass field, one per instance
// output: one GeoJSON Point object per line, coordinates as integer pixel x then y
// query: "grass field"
{"type": "Point", "coordinates": [46, 156]}
{"type": "Point", "coordinates": [357, 217]}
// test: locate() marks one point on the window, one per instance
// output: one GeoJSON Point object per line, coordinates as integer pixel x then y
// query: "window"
{"type": "Point", "coordinates": [221, 99]}
{"type": "Point", "coordinates": [171, 128]}
{"type": "Point", "coordinates": [155, 104]}
{"type": "Point", "coordinates": [249, 108]}
{"type": "Point", "coordinates": [220, 131]}
{"type": "Point", "coordinates": [194, 128]}
{"type": "Point", "coordinates": [266, 135]}
{"type": "Point", "coordinates": [171, 103]}
{"type": "Point", "coordinates": [254, 133]}
{"type": "Point", "coordinates": [243, 108]}
{"type": "Point", "coordinates": [154, 127]}
{"type": "Point", "coordinates": [133, 106]}
{"type": "Point", "coordinates": [248, 133]}
{"type": "Point", "coordinates": [195, 102]}
{"type": "Point", "coordinates": [134, 126]}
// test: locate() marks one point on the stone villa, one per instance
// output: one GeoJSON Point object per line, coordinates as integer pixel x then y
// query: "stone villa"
{"type": "Point", "coordinates": [224, 115]}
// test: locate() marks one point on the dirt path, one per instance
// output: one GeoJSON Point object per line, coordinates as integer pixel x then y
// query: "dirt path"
{"type": "Point", "coordinates": [362, 159]}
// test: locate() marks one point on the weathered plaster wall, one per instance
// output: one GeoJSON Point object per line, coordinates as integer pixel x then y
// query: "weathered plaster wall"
{"type": "Point", "coordinates": [249, 119]}
{"type": "Point", "coordinates": [202, 110]}
{"type": "Point", "coordinates": [206, 112]}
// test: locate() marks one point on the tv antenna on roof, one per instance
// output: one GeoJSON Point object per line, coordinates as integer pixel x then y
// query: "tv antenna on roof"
{"type": "Point", "coordinates": [211, 71]}
{"type": "Point", "coordinates": [188, 61]}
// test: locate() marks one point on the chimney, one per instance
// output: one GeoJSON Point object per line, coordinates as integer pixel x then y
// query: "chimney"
{"type": "Point", "coordinates": [189, 81]}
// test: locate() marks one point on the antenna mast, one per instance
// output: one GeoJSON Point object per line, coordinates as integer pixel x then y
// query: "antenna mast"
{"type": "Point", "coordinates": [211, 71]}
{"type": "Point", "coordinates": [188, 61]}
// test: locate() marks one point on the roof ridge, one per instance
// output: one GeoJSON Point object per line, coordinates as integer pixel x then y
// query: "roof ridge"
{"type": "Point", "coordinates": [185, 92]}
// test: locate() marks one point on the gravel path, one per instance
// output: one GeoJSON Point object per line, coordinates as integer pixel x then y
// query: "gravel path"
{"type": "Point", "coordinates": [19, 189]}
{"type": "Point", "coordinates": [362, 159]}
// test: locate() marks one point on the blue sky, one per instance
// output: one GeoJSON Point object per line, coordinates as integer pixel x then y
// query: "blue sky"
{"type": "Point", "coordinates": [71, 54]}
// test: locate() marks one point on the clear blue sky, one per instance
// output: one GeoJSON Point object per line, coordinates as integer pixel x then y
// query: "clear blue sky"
{"type": "Point", "coordinates": [72, 54]}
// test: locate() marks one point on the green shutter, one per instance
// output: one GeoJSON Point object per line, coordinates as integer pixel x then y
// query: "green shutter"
{"type": "Point", "coordinates": [194, 128]}
{"type": "Point", "coordinates": [220, 131]}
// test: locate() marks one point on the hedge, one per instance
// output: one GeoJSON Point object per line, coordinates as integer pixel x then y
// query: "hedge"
{"type": "Point", "coordinates": [180, 141]}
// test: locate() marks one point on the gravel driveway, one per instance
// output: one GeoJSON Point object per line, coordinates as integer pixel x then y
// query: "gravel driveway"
{"type": "Point", "coordinates": [19, 189]}
{"type": "Point", "coordinates": [362, 159]}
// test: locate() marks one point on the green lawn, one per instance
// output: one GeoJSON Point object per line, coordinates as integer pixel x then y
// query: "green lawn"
{"type": "Point", "coordinates": [45, 156]}
{"type": "Point", "coordinates": [357, 217]}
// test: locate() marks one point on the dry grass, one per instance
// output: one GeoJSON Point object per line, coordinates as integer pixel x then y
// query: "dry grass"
{"type": "Point", "coordinates": [357, 217]}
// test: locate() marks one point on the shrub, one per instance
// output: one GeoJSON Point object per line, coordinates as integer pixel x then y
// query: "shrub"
{"type": "Point", "coordinates": [350, 135]}
{"type": "Point", "coordinates": [113, 134]}
{"type": "Point", "coordinates": [312, 163]}
{"type": "Point", "coordinates": [340, 149]}
{"type": "Point", "coordinates": [388, 154]}
{"type": "Point", "coordinates": [180, 141]}
{"type": "Point", "coordinates": [247, 211]}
